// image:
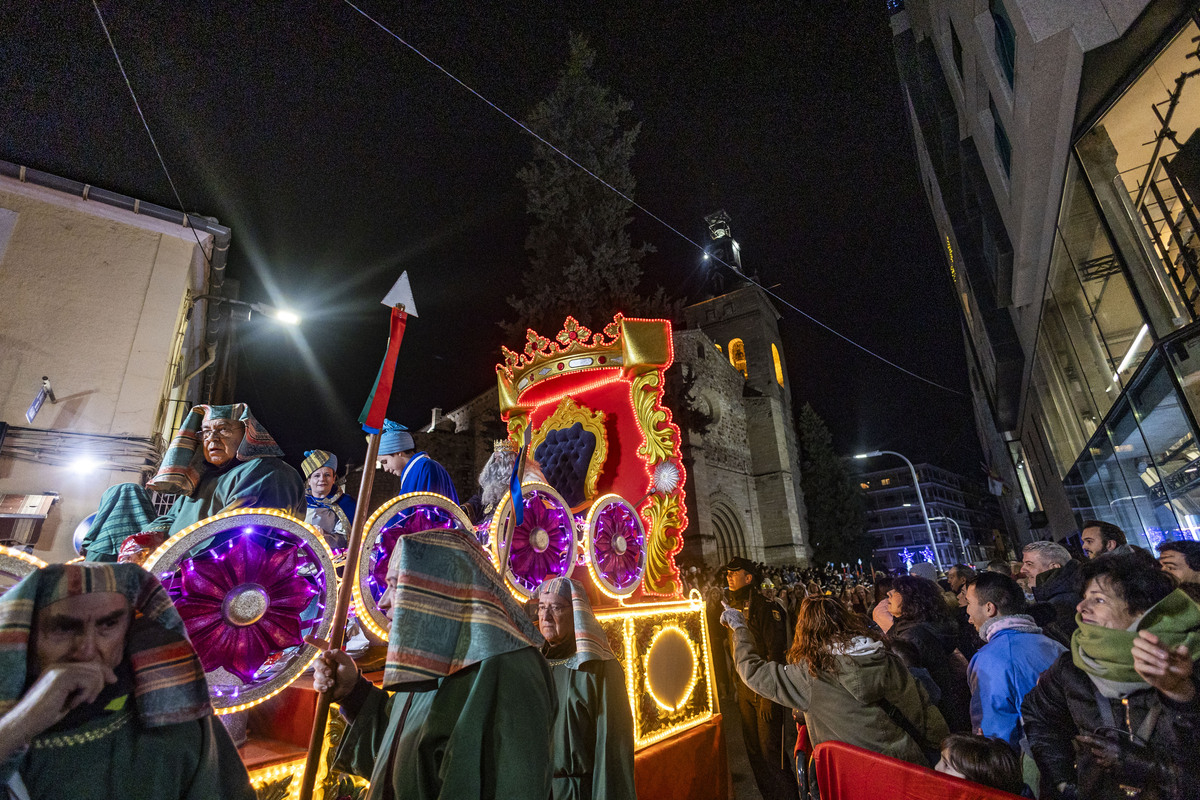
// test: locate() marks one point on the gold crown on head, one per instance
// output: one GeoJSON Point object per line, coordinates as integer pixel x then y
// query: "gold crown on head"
{"type": "Point", "coordinates": [504, 446]}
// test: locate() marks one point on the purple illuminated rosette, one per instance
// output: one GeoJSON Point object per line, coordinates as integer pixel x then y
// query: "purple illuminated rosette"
{"type": "Point", "coordinates": [543, 544]}
{"type": "Point", "coordinates": [412, 520]}
{"type": "Point", "coordinates": [248, 598]}
{"type": "Point", "coordinates": [619, 545]}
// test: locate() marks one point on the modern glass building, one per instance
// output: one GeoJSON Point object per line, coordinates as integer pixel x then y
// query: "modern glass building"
{"type": "Point", "coordinates": [1061, 155]}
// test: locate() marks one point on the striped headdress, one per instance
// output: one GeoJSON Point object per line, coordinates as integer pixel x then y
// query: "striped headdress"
{"type": "Point", "coordinates": [169, 685]}
{"type": "Point", "coordinates": [591, 643]}
{"type": "Point", "coordinates": [451, 609]}
{"type": "Point", "coordinates": [315, 459]}
{"type": "Point", "coordinates": [184, 463]}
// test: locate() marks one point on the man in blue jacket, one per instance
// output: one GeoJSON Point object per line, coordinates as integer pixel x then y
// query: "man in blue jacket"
{"type": "Point", "coordinates": [418, 472]}
{"type": "Point", "coordinates": [1014, 655]}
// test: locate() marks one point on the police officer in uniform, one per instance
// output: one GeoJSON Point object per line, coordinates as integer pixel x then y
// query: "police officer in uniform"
{"type": "Point", "coordinates": [762, 720]}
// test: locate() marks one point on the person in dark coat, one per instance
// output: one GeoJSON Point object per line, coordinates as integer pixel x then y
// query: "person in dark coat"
{"type": "Point", "coordinates": [923, 620]}
{"type": "Point", "coordinates": [1057, 588]}
{"type": "Point", "coordinates": [1120, 712]}
{"type": "Point", "coordinates": [762, 719]}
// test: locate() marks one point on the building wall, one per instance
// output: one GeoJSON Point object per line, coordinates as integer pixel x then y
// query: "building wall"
{"type": "Point", "coordinates": [92, 297]}
{"type": "Point", "coordinates": [1078, 336]}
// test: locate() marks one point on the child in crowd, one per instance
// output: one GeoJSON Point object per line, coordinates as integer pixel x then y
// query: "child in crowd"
{"type": "Point", "coordinates": [985, 760]}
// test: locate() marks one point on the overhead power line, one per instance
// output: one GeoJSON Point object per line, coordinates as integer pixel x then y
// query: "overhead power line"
{"type": "Point", "coordinates": [640, 207]}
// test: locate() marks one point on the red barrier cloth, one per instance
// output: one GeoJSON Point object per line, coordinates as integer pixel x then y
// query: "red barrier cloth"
{"type": "Point", "coordinates": [846, 772]}
{"type": "Point", "coordinates": [803, 743]}
{"type": "Point", "coordinates": [687, 766]}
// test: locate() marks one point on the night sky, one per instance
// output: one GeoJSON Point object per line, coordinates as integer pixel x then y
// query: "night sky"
{"type": "Point", "coordinates": [338, 157]}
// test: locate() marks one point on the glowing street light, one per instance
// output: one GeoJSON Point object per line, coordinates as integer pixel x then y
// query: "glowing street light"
{"type": "Point", "coordinates": [916, 485]}
{"type": "Point", "coordinates": [282, 315]}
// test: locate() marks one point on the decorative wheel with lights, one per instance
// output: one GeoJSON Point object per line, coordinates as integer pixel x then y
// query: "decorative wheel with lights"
{"type": "Point", "coordinates": [14, 565]}
{"type": "Point", "coordinates": [541, 546]}
{"type": "Point", "coordinates": [408, 513]}
{"type": "Point", "coordinates": [250, 585]}
{"type": "Point", "coordinates": [615, 546]}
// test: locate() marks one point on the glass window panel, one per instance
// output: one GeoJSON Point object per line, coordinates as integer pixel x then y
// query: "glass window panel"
{"type": "Point", "coordinates": [1099, 271]}
{"type": "Point", "coordinates": [1145, 507]}
{"type": "Point", "coordinates": [1103, 486]}
{"type": "Point", "coordinates": [1128, 156]}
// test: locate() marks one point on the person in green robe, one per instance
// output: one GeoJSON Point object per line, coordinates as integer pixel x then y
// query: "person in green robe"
{"type": "Point", "coordinates": [220, 459]}
{"type": "Point", "coordinates": [102, 695]}
{"type": "Point", "coordinates": [593, 730]}
{"type": "Point", "coordinates": [467, 702]}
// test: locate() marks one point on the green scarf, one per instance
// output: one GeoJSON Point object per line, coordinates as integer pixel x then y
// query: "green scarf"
{"type": "Point", "coordinates": [1106, 654]}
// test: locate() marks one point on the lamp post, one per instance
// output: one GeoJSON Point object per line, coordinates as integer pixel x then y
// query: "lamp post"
{"type": "Point", "coordinates": [916, 485]}
{"type": "Point", "coordinates": [957, 527]}
{"type": "Point", "coordinates": [278, 314]}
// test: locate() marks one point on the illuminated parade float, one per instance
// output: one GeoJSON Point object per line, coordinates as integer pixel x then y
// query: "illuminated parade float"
{"type": "Point", "coordinates": [607, 510]}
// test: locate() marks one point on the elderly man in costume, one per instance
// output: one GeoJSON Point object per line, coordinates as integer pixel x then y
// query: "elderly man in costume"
{"type": "Point", "coordinates": [593, 731]}
{"type": "Point", "coordinates": [467, 702]}
{"type": "Point", "coordinates": [329, 508]}
{"type": "Point", "coordinates": [495, 479]}
{"type": "Point", "coordinates": [220, 459]}
{"type": "Point", "coordinates": [418, 472]}
{"type": "Point", "coordinates": [102, 696]}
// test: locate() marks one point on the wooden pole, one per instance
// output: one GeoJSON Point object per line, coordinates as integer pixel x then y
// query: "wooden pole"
{"type": "Point", "coordinates": [340, 612]}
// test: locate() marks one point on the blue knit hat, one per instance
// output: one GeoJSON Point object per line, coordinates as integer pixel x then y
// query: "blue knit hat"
{"type": "Point", "coordinates": [394, 438]}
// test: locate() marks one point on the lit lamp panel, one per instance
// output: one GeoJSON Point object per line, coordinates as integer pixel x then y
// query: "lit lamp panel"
{"type": "Point", "coordinates": [667, 658]}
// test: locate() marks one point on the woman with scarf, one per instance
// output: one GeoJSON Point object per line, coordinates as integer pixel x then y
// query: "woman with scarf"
{"type": "Point", "coordinates": [329, 508]}
{"type": "Point", "coordinates": [923, 619]}
{"type": "Point", "coordinates": [849, 686]}
{"type": "Point", "coordinates": [1119, 714]}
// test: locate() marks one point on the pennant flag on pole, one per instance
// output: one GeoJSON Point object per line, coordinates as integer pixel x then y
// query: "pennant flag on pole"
{"type": "Point", "coordinates": [400, 300]}
{"type": "Point", "coordinates": [518, 475]}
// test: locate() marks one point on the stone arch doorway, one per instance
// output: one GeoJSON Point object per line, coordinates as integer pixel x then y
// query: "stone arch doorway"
{"type": "Point", "coordinates": [728, 531]}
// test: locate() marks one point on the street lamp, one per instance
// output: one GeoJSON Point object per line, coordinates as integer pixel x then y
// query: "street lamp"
{"type": "Point", "coordinates": [916, 485]}
{"type": "Point", "coordinates": [957, 527]}
{"type": "Point", "coordinates": [283, 315]}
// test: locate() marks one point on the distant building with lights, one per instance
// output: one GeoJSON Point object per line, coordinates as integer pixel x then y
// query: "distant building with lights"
{"type": "Point", "coordinates": [1058, 148]}
{"type": "Point", "coordinates": [895, 522]}
{"type": "Point", "coordinates": [97, 293]}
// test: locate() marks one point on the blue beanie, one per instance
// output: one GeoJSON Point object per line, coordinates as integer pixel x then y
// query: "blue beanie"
{"type": "Point", "coordinates": [394, 438]}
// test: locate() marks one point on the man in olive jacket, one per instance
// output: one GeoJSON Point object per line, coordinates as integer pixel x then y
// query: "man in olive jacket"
{"type": "Point", "coordinates": [762, 719]}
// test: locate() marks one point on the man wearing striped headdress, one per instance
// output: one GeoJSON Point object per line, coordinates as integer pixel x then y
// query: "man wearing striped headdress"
{"type": "Point", "coordinates": [220, 459]}
{"type": "Point", "coordinates": [466, 706]}
{"type": "Point", "coordinates": [593, 730]}
{"type": "Point", "coordinates": [102, 695]}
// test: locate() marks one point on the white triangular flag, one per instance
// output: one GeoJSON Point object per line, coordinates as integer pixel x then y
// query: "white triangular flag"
{"type": "Point", "coordinates": [401, 294]}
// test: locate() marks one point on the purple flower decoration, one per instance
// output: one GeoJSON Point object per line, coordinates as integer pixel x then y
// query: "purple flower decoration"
{"type": "Point", "coordinates": [543, 542]}
{"type": "Point", "coordinates": [242, 602]}
{"type": "Point", "coordinates": [619, 545]}
{"type": "Point", "coordinates": [413, 520]}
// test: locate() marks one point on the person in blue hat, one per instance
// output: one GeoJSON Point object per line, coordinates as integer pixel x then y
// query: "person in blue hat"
{"type": "Point", "coordinates": [398, 455]}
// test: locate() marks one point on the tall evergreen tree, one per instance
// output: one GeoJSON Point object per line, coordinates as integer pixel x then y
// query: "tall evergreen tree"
{"type": "Point", "coordinates": [582, 261]}
{"type": "Point", "coordinates": [836, 513]}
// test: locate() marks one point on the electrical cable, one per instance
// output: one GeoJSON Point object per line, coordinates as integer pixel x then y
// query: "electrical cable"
{"type": "Point", "coordinates": [641, 208]}
{"type": "Point", "coordinates": [146, 125]}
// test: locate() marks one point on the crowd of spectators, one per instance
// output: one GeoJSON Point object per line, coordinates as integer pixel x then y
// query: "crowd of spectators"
{"type": "Point", "coordinates": [1052, 676]}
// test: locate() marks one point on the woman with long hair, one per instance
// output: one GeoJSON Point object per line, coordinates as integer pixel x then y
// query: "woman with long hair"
{"type": "Point", "coordinates": [847, 683]}
{"type": "Point", "coordinates": [923, 619]}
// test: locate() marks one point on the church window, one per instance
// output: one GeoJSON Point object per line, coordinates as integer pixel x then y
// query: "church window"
{"type": "Point", "coordinates": [737, 356]}
{"type": "Point", "coordinates": [778, 366]}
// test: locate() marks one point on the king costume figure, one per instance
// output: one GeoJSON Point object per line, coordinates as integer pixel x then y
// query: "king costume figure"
{"type": "Point", "coordinates": [329, 508]}
{"type": "Point", "coordinates": [418, 472]}
{"type": "Point", "coordinates": [102, 695]}
{"type": "Point", "coordinates": [220, 459]}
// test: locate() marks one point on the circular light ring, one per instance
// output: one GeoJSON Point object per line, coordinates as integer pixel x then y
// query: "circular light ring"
{"type": "Point", "coordinates": [379, 538]}
{"type": "Point", "coordinates": [15, 565]}
{"type": "Point", "coordinates": [543, 546]}
{"type": "Point", "coordinates": [690, 647]}
{"type": "Point", "coordinates": [294, 560]}
{"type": "Point", "coordinates": [615, 545]}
